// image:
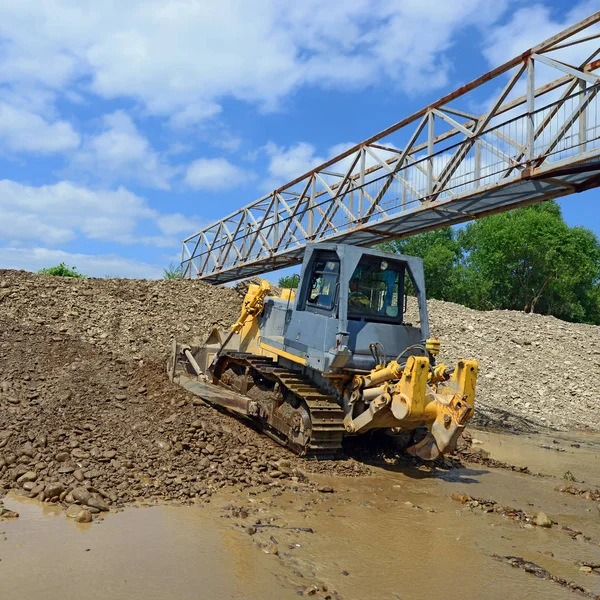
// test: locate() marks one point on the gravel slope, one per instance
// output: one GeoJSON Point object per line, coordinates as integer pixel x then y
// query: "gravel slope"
{"type": "Point", "coordinates": [535, 371]}
{"type": "Point", "coordinates": [88, 416]}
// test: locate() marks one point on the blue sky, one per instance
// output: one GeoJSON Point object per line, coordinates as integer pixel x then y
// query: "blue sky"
{"type": "Point", "coordinates": [126, 126]}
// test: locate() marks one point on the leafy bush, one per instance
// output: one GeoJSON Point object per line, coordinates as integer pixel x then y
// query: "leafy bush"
{"type": "Point", "coordinates": [173, 271]}
{"type": "Point", "coordinates": [62, 271]}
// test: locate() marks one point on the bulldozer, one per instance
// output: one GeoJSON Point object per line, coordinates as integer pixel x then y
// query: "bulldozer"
{"type": "Point", "coordinates": [337, 357]}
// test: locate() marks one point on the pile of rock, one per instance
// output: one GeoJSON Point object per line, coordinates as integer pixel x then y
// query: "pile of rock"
{"type": "Point", "coordinates": [90, 428]}
{"type": "Point", "coordinates": [535, 371]}
{"type": "Point", "coordinates": [89, 418]}
{"type": "Point", "coordinates": [133, 317]}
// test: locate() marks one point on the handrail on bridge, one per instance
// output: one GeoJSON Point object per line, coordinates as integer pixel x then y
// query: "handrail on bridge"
{"type": "Point", "coordinates": [415, 176]}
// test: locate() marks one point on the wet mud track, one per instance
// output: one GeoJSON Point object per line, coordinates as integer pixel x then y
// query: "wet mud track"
{"type": "Point", "coordinates": [403, 533]}
{"type": "Point", "coordinates": [407, 532]}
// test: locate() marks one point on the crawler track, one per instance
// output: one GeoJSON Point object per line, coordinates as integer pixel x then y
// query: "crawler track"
{"type": "Point", "coordinates": [326, 416]}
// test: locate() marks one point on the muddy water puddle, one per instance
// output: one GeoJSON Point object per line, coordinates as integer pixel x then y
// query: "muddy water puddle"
{"type": "Point", "coordinates": [578, 453]}
{"type": "Point", "coordinates": [157, 553]}
{"type": "Point", "coordinates": [396, 534]}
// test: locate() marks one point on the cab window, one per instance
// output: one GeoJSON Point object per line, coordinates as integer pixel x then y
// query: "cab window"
{"type": "Point", "coordinates": [323, 284]}
{"type": "Point", "coordinates": [376, 291]}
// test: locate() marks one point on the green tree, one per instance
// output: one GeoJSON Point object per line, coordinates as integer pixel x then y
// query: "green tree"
{"type": "Point", "coordinates": [173, 271]}
{"type": "Point", "coordinates": [62, 270]}
{"type": "Point", "coordinates": [289, 281]}
{"type": "Point", "coordinates": [531, 260]}
{"type": "Point", "coordinates": [527, 259]}
{"type": "Point", "coordinates": [441, 254]}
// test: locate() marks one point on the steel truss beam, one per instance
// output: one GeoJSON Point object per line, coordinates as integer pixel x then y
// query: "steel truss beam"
{"type": "Point", "coordinates": [440, 166]}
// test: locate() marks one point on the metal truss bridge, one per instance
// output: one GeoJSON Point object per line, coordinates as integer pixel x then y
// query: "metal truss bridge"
{"type": "Point", "coordinates": [537, 139]}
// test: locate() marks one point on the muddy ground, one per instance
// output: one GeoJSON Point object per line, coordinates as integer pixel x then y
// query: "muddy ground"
{"type": "Point", "coordinates": [518, 529]}
{"type": "Point", "coordinates": [90, 425]}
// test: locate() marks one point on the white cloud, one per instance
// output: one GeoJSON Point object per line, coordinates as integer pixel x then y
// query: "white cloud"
{"type": "Point", "coordinates": [58, 213]}
{"type": "Point", "coordinates": [531, 25]}
{"type": "Point", "coordinates": [194, 114]}
{"type": "Point", "coordinates": [179, 57]}
{"type": "Point", "coordinates": [32, 98]}
{"type": "Point", "coordinates": [22, 130]}
{"type": "Point", "coordinates": [527, 27]}
{"type": "Point", "coordinates": [339, 148]}
{"type": "Point", "coordinates": [178, 148]}
{"type": "Point", "coordinates": [120, 151]}
{"type": "Point", "coordinates": [227, 141]}
{"type": "Point", "coordinates": [216, 174]}
{"type": "Point", "coordinates": [177, 223]}
{"type": "Point", "coordinates": [100, 265]}
{"type": "Point", "coordinates": [16, 226]}
{"type": "Point", "coordinates": [286, 164]}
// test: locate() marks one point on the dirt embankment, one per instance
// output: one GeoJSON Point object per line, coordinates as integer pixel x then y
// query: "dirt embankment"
{"type": "Point", "coordinates": [535, 371]}
{"type": "Point", "coordinates": [135, 318]}
{"type": "Point", "coordinates": [88, 416]}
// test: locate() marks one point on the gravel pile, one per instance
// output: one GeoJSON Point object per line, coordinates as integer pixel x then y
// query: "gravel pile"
{"type": "Point", "coordinates": [88, 416]}
{"type": "Point", "coordinates": [534, 371]}
{"type": "Point", "coordinates": [132, 317]}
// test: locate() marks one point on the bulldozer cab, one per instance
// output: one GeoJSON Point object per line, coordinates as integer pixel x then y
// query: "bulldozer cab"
{"type": "Point", "coordinates": [349, 298]}
{"type": "Point", "coordinates": [351, 283]}
{"type": "Point", "coordinates": [376, 291]}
